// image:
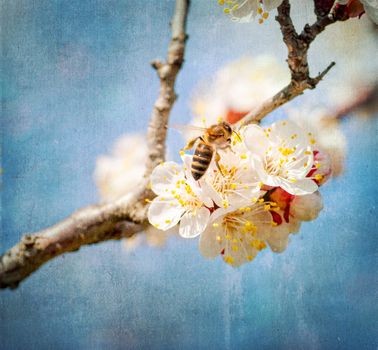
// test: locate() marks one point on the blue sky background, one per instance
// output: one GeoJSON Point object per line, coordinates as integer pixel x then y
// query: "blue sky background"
{"type": "Point", "coordinates": [75, 76]}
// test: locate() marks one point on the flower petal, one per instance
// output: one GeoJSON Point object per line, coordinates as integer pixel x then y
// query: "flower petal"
{"type": "Point", "coordinates": [271, 4]}
{"type": "Point", "coordinates": [245, 11]}
{"type": "Point", "coordinates": [164, 176]}
{"type": "Point", "coordinates": [306, 208]}
{"type": "Point", "coordinates": [290, 132]}
{"type": "Point", "coordinates": [209, 246]}
{"type": "Point", "coordinates": [299, 187]}
{"type": "Point", "coordinates": [164, 214]}
{"type": "Point", "coordinates": [255, 140]}
{"type": "Point", "coordinates": [193, 224]}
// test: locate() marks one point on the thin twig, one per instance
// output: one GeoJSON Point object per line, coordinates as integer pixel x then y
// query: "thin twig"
{"type": "Point", "coordinates": [297, 45]}
{"type": "Point", "coordinates": [118, 219]}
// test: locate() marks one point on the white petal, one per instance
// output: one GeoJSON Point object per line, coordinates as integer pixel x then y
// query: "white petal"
{"type": "Point", "coordinates": [300, 168]}
{"type": "Point", "coordinates": [209, 246]}
{"type": "Point", "coordinates": [299, 187]}
{"type": "Point", "coordinates": [278, 242]}
{"type": "Point", "coordinates": [220, 212]}
{"type": "Point", "coordinates": [271, 4]}
{"type": "Point", "coordinates": [209, 192]}
{"type": "Point", "coordinates": [279, 236]}
{"type": "Point", "coordinates": [371, 8]}
{"type": "Point", "coordinates": [164, 214]}
{"type": "Point", "coordinates": [263, 222]}
{"type": "Point", "coordinates": [164, 176]}
{"type": "Point", "coordinates": [187, 160]}
{"type": "Point", "coordinates": [306, 208]}
{"type": "Point", "coordinates": [255, 140]}
{"type": "Point", "coordinates": [244, 253]}
{"type": "Point", "coordinates": [263, 176]}
{"type": "Point", "coordinates": [286, 128]}
{"type": "Point", "coordinates": [245, 11]}
{"type": "Point", "coordinates": [193, 224]}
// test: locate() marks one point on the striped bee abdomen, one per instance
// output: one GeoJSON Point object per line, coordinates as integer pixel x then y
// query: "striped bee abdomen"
{"type": "Point", "coordinates": [201, 160]}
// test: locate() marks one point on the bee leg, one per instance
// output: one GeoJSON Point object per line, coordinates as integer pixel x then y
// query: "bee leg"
{"type": "Point", "coordinates": [228, 147]}
{"type": "Point", "coordinates": [217, 159]}
{"type": "Point", "coordinates": [190, 144]}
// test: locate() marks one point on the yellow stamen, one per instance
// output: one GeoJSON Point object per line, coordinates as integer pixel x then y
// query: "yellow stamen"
{"type": "Point", "coordinates": [228, 259]}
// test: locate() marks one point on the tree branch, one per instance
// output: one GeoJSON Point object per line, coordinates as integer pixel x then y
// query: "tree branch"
{"type": "Point", "coordinates": [118, 219]}
{"type": "Point", "coordinates": [90, 225]}
{"type": "Point", "coordinates": [297, 45]}
{"type": "Point", "coordinates": [167, 72]}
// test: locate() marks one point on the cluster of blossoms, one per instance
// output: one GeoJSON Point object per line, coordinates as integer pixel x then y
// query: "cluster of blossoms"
{"type": "Point", "coordinates": [266, 184]}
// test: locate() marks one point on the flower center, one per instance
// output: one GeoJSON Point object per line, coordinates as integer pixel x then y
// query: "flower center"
{"type": "Point", "coordinates": [186, 196]}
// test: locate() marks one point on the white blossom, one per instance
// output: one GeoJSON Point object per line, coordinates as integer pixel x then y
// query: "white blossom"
{"type": "Point", "coordinates": [282, 156]}
{"type": "Point", "coordinates": [246, 10]}
{"type": "Point", "coordinates": [180, 199]}
{"type": "Point", "coordinates": [330, 140]}
{"type": "Point", "coordinates": [237, 236]}
{"type": "Point", "coordinates": [237, 185]}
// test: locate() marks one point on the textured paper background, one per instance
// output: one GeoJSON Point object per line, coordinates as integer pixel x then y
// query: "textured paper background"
{"type": "Point", "coordinates": [75, 77]}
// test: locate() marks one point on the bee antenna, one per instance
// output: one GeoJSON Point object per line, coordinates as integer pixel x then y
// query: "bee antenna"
{"type": "Point", "coordinates": [237, 134]}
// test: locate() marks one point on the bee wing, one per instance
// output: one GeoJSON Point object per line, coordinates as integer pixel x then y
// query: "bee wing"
{"type": "Point", "coordinates": [189, 131]}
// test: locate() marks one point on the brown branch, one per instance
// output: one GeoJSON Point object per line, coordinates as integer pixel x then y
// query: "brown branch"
{"type": "Point", "coordinates": [90, 225]}
{"type": "Point", "coordinates": [297, 45]}
{"type": "Point", "coordinates": [116, 220]}
{"type": "Point", "coordinates": [167, 72]}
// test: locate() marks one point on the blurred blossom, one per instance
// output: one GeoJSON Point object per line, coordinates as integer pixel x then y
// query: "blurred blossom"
{"type": "Point", "coordinates": [152, 237]}
{"type": "Point", "coordinates": [237, 88]}
{"type": "Point", "coordinates": [355, 74]}
{"type": "Point", "coordinates": [117, 175]}
{"type": "Point", "coordinates": [330, 140]}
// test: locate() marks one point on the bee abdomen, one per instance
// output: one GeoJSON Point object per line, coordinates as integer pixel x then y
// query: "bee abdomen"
{"type": "Point", "coordinates": [201, 160]}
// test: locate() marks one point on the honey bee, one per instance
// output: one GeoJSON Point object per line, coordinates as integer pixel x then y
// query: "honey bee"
{"type": "Point", "coordinates": [215, 137]}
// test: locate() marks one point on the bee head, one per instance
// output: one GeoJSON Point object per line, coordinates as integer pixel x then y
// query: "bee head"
{"type": "Point", "coordinates": [227, 127]}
